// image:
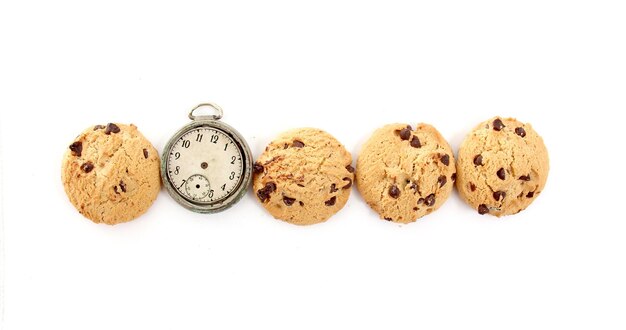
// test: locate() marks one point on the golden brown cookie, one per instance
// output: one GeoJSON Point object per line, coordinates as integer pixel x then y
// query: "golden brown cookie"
{"type": "Point", "coordinates": [404, 174]}
{"type": "Point", "coordinates": [111, 173]}
{"type": "Point", "coordinates": [304, 176]}
{"type": "Point", "coordinates": [502, 167]}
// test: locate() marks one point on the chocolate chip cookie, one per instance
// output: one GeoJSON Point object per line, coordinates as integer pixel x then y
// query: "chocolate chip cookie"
{"type": "Point", "coordinates": [502, 167]}
{"type": "Point", "coordinates": [405, 173]}
{"type": "Point", "coordinates": [304, 176]}
{"type": "Point", "coordinates": [111, 173]}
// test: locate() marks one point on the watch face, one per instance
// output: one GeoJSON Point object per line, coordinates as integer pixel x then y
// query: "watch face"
{"type": "Point", "coordinates": [205, 165]}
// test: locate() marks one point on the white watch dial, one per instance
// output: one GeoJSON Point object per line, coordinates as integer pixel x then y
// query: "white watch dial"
{"type": "Point", "coordinates": [205, 165]}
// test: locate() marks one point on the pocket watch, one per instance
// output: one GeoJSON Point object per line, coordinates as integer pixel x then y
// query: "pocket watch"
{"type": "Point", "coordinates": [207, 165]}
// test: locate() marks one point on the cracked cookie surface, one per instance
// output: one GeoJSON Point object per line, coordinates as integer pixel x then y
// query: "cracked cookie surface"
{"type": "Point", "coordinates": [111, 173]}
{"type": "Point", "coordinates": [304, 176]}
{"type": "Point", "coordinates": [404, 174]}
{"type": "Point", "coordinates": [502, 167]}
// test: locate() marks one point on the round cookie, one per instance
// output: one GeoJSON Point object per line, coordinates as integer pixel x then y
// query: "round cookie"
{"type": "Point", "coordinates": [111, 173]}
{"type": "Point", "coordinates": [304, 176]}
{"type": "Point", "coordinates": [404, 174]}
{"type": "Point", "coordinates": [502, 167]}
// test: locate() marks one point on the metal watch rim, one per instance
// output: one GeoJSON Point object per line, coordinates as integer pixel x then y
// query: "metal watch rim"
{"type": "Point", "coordinates": [237, 193]}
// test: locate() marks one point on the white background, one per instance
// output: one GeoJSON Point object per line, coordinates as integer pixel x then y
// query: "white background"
{"type": "Point", "coordinates": [346, 67]}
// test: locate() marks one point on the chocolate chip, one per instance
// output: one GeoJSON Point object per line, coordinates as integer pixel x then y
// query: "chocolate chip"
{"type": "Point", "coordinates": [264, 193]}
{"type": "Point", "coordinates": [331, 201]}
{"type": "Point", "coordinates": [333, 188]}
{"type": "Point", "coordinates": [87, 167]}
{"type": "Point", "coordinates": [350, 168]}
{"type": "Point", "coordinates": [111, 128]}
{"type": "Point", "coordinates": [453, 177]}
{"type": "Point", "coordinates": [301, 203]}
{"type": "Point", "coordinates": [415, 142]}
{"type": "Point", "coordinates": [413, 187]}
{"type": "Point", "coordinates": [442, 181]}
{"type": "Point", "coordinates": [394, 192]}
{"type": "Point", "coordinates": [501, 174]}
{"type": "Point", "coordinates": [498, 125]}
{"type": "Point", "coordinates": [348, 185]}
{"type": "Point", "coordinates": [288, 201]}
{"type": "Point", "coordinates": [388, 219]}
{"type": "Point", "coordinates": [531, 194]}
{"type": "Point", "coordinates": [520, 131]}
{"type": "Point", "coordinates": [472, 187]}
{"type": "Point", "coordinates": [145, 153]}
{"type": "Point", "coordinates": [97, 127]}
{"type": "Point", "coordinates": [115, 189]}
{"type": "Point", "coordinates": [499, 195]}
{"type": "Point", "coordinates": [76, 148]}
{"type": "Point", "coordinates": [478, 160]}
{"type": "Point", "coordinates": [257, 168]}
{"type": "Point", "coordinates": [297, 144]}
{"type": "Point", "coordinates": [525, 177]}
{"type": "Point", "coordinates": [405, 133]}
{"type": "Point", "coordinates": [420, 201]}
{"type": "Point", "coordinates": [445, 159]}
{"type": "Point", "coordinates": [430, 200]}
{"type": "Point", "coordinates": [483, 209]}
{"type": "Point", "coordinates": [123, 186]}
{"type": "Point", "coordinates": [415, 208]}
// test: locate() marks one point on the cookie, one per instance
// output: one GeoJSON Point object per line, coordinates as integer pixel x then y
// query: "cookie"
{"type": "Point", "coordinates": [502, 167]}
{"type": "Point", "coordinates": [111, 173]}
{"type": "Point", "coordinates": [304, 176]}
{"type": "Point", "coordinates": [404, 174]}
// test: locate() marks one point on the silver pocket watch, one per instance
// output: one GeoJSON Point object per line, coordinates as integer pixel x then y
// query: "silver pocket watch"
{"type": "Point", "coordinates": [207, 165]}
